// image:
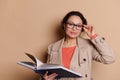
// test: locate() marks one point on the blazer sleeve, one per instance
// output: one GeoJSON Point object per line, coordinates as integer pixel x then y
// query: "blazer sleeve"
{"type": "Point", "coordinates": [101, 52]}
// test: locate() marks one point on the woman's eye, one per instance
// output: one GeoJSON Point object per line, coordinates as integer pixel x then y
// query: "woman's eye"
{"type": "Point", "coordinates": [79, 26]}
{"type": "Point", "coordinates": [71, 24]}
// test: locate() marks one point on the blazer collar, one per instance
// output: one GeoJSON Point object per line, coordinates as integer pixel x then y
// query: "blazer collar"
{"type": "Point", "coordinates": [80, 42]}
{"type": "Point", "coordinates": [58, 45]}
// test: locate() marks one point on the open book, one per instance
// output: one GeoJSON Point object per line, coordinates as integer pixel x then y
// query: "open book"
{"type": "Point", "coordinates": [40, 67]}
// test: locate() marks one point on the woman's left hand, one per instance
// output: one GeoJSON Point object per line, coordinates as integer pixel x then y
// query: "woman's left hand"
{"type": "Point", "coordinates": [49, 77]}
{"type": "Point", "coordinates": [90, 31]}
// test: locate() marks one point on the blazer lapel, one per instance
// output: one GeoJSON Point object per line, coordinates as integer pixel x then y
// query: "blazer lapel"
{"type": "Point", "coordinates": [58, 48]}
{"type": "Point", "coordinates": [77, 53]}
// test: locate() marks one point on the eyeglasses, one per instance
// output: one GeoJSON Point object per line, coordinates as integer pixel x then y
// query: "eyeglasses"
{"type": "Point", "coordinates": [72, 25]}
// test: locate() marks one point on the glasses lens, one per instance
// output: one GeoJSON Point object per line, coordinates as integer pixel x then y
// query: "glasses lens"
{"type": "Point", "coordinates": [79, 27]}
{"type": "Point", "coordinates": [72, 25]}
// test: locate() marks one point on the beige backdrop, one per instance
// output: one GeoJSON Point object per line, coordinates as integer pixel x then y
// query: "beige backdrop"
{"type": "Point", "coordinates": [31, 25]}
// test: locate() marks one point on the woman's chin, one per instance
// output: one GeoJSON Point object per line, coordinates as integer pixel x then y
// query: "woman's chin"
{"type": "Point", "coordinates": [73, 37]}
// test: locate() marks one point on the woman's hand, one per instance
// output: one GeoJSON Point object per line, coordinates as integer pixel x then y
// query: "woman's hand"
{"type": "Point", "coordinates": [90, 31]}
{"type": "Point", "coordinates": [49, 77]}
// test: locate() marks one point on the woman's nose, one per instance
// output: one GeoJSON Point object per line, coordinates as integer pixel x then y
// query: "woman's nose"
{"type": "Point", "coordinates": [74, 27]}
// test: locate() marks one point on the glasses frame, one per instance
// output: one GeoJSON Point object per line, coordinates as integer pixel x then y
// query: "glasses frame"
{"type": "Point", "coordinates": [72, 25]}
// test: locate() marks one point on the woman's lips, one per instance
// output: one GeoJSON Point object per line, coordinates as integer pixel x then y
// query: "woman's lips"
{"type": "Point", "coordinates": [73, 33]}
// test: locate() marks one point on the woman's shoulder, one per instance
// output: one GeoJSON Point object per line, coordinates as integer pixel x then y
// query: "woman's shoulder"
{"type": "Point", "coordinates": [56, 44]}
{"type": "Point", "coordinates": [82, 40]}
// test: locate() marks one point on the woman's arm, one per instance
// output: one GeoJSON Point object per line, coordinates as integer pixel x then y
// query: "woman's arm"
{"type": "Point", "coordinates": [101, 51]}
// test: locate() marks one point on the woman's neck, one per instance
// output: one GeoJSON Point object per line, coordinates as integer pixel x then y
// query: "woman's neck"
{"type": "Point", "coordinates": [69, 42]}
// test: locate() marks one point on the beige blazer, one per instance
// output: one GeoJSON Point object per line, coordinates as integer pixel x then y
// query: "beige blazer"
{"type": "Point", "coordinates": [85, 52]}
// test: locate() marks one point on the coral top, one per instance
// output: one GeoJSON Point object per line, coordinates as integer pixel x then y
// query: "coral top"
{"type": "Point", "coordinates": [67, 54]}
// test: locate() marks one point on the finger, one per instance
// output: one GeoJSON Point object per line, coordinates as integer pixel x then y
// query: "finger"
{"type": "Point", "coordinates": [85, 26]}
{"type": "Point", "coordinates": [53, 75]}
{"type": "Point", "coordinates": [85, 29]}
{"type": "Point", "coordinates": [41, 75]}
{"type": "Point", "coordinates": [46, 73]}
{"type": "Point", "coordinates": [88, 28]}
{"type": "Point", "coordinates": [91, 28]}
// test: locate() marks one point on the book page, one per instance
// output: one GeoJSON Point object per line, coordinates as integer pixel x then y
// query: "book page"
{"type": "Point", "coordinates": [49, 66]}
{"type": "Point", "coordinates": [38, 62]}
{"type": "Point", "coordinates": [31, 57]}
{"type": "Point", "coordinates": [27, 64]}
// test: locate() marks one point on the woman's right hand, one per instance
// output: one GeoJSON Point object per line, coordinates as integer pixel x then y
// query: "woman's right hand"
{"type": "Point", "coordinates": [49, 77]}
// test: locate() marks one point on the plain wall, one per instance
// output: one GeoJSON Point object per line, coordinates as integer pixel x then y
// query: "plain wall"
{"type": "Point", "coordinates": [31, 25]}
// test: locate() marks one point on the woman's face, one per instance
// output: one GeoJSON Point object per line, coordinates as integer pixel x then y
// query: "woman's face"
{"type": "Point", "coordinates": [73, 27]}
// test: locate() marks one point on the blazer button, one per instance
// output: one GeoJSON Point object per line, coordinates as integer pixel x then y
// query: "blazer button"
{"type": "Point", "coordinates": [84, 59]}
{"type": "Point", "coordinates": [86, 75]}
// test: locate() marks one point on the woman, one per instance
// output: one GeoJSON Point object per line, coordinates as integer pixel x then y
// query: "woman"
{"type": "Point", "coordinates": [77, 53]}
